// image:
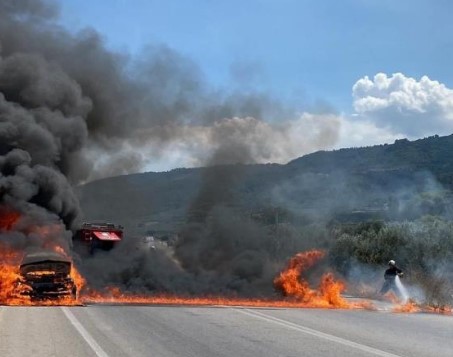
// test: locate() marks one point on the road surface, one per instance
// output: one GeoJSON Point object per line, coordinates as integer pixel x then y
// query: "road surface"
{"type": "Point", "coordinates": [219, 331]}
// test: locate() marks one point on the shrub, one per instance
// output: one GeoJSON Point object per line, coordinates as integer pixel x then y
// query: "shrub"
{"type": "Point", "coordinates": [423, 248]}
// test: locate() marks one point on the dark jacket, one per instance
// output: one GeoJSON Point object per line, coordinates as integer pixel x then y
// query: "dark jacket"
{"type": "Point", "coordinates": [392, 272]}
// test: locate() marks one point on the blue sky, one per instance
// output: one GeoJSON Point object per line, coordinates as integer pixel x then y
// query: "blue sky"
{"type": "Point", "coordinates": [305, 50]}
{"type": "Point", "coordinates": [382, 68]}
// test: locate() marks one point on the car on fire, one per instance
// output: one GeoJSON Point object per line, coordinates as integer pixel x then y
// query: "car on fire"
{"type": "Point", "coordinates": [46, 275]}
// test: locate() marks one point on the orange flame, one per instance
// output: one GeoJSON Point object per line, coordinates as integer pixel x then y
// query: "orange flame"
{"type": "Point", "coordinates": [412, 307]}
{"type": "Point", "coordinates": [113, 295]}
{"type": "Point", "coordinates": [291, 284]}
{"type": "Point", "coordinates": [12, 291]}
{"type": "Point", "coordinates": [9, 276]}
{"type": "Point", "coordinates": [331, 290]}
{"type": "Point", "coordinates": [443, 310]}
{"type": "Point", "coordinates": [297, 291]}
{"type": "Point", "coordinates": [79, 280]}
{"type": "Point", "coordinates": [409, 306]}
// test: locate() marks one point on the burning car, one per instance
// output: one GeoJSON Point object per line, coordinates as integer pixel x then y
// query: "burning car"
{"type": "Point", "coordinates": [46, 275]}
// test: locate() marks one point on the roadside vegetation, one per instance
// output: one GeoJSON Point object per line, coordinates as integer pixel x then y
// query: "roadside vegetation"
{"type": "Point", "coordinates": [423, 248]}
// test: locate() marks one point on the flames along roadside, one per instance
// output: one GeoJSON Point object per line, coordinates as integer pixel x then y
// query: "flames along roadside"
{"type": "Point", "coordinates": [296, 291]}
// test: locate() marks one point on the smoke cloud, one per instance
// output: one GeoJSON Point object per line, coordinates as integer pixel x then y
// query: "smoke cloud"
{"type": "Point", "coordinates": [129, 112]}
{"type": "Point", "coordinates": [72, 110]}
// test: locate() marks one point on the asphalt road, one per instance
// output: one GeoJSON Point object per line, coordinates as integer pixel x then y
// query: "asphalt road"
{"type": "Point", "coordinates": [219, 331]}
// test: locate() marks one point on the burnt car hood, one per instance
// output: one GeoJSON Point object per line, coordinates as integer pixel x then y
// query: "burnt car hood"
{"type": "Point", "coordinates": [45, 261]}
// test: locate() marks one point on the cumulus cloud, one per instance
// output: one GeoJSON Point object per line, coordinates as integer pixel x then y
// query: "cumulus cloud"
{"type": "Point", "coordinates": [401, 104]}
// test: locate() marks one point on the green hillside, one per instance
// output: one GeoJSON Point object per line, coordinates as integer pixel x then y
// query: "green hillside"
{"type": "Point", "coordinates": [396, 181]}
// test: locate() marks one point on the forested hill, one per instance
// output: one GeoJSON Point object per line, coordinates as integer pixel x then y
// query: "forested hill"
{"type": "Point", "coordinates": [434, 154]}
{"type": "Point", "coordinates": [406, 178]}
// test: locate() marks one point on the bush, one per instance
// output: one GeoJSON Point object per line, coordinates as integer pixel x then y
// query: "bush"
{"type": "Point", "coordinates": [422, 248]}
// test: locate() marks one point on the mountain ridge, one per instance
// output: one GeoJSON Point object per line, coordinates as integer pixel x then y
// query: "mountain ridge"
{"type": "Point", "coordinates": [325, 182]}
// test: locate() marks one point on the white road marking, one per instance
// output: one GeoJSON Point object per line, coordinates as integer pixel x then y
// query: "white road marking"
{"type": "Point", "coordinates": [316, 333]}
{"type": "Point", "coordinates": [84, 333]}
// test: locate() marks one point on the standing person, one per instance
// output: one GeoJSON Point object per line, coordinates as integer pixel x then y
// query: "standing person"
{"type": "Point", "coordinates": [390, 276]}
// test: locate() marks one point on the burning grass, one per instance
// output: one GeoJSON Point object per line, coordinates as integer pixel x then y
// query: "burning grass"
{"type": "Point", "coordinates": [413, 307]}
{"type": "Point", "coordinates": [290, 283]}
{"type": "Point", "coordinates": [295, 290]}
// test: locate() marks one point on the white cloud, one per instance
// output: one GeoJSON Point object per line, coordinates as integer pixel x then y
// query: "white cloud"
{"type": "Point", "coordinates": [404, 105]}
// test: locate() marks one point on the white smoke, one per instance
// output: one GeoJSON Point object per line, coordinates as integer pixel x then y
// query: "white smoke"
{"type": "Point", "coordinates": [257, 141]}
{"type": "Point", "coordinates": [357, 131]}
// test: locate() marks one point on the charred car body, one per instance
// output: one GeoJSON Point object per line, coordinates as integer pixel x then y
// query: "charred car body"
{"type": "Point", "coordinates": [94, 236]}
{"type": "Point", "coordinates": [46, 275]}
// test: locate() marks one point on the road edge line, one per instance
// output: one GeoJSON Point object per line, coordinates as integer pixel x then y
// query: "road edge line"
{"type": "Point", "coordinates": [84, 333]}
{"type": "Point", "coordinates": [317, 333]}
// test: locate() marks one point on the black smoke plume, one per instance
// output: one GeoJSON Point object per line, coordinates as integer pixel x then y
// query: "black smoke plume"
{"type": "Point", "coordinates": [42, 130]}
{"type": "Point", "coordinates": [72, 110]}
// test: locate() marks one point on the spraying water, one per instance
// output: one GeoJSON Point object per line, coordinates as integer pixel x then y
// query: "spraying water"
{"type": "Point", "coordinates": [402, 290]}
